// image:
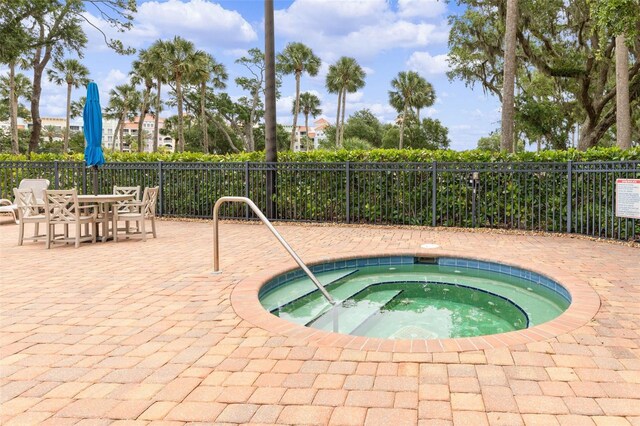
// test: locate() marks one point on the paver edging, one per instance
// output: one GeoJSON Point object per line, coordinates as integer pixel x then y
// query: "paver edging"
{"type": "Point", "coordinates": [244, 300]}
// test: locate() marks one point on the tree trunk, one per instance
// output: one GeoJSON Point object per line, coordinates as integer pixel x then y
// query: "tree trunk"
{"type": "Point", "coordinates": [66, 129]}
{"type": "Point", "coordinates": [143, 114]}
{"type": "Point", "coordinates": [121, 135]}
{"type": "Point", "coordinates": [344, 109]}
{"type": "Point", "coordinates": [296, 111]}
{"type": "Point", "coordinates": [203, 118]}
{"type": "Point", "coordinates": [306, 127]}
{"type": "Point", "coordinates": [13, 109]}
{"type": "Point", "coordinates": [271, 146]}
{"type": "Point", "coordinates": [180, 120]}
{"type": "Point", "coordinates": [39, 63]}
{"type": "Point", "coordinates": [404, 116]}
{"type": "Point", "coordinates": [587, 138]}
{"type": "Point", "coordinates": [36, 121]}
{"type": "Point", "coordinates": [116, 134]}
{"type": "Point", "coordinates": [508, 99]}
{"type": "Point", "coordinates": [251, 143]}
{"type": "Point", "coordinates": [338, 119]}
{"type": "Point", "coordinates": [623, 112]}
{"type": "Point", "coordinates": [156, 119]}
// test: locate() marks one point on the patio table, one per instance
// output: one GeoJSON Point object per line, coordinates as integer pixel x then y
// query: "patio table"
{"type": "Point", "coordinates": [103, 201]}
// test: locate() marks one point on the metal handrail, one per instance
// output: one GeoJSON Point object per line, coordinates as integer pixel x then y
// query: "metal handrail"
{"type": "Point", "coordinates": [263, 218]}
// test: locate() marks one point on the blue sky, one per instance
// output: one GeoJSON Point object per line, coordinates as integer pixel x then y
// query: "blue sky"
{"type": "Point", "coordinates": [384, 36]}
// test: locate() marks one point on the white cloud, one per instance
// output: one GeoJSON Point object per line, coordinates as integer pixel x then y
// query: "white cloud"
{"type": "Point", "coordinates": [113, 78]}
{"type": "Point", "coordinates": [421, 8]}
{"type": "Point", "coordinates": [197, 20]}
{"type": "Point", "coordinates": [425, 63]}
{"type": "Point", "coordinates": [355, 28]}
{"type": "Point", "coordinates": [369, 71]}
{"type": "Point", "coordinates": [207, 24]}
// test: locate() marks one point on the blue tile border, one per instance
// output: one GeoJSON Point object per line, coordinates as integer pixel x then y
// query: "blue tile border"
{"type": "Point", "coordinates": [532, 277]}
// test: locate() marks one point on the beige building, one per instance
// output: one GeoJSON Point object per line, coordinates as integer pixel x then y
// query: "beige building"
{"type": "Point", "coordinates": [130, 134]}
{"type": "Point", "coordinates": [315, 133]}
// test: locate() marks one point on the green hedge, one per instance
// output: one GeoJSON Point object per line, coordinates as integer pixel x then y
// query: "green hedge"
{"type": "Point", "coordinates": [376, 155]}
{"type": "Point", "coordinates": [515, 191]}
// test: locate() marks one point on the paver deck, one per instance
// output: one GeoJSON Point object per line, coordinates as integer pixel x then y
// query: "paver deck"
{"type": "Point", "coordinates": [142, 333]}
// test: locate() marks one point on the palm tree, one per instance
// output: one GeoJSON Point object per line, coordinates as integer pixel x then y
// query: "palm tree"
{"type": "Point", "coordinates": [207, 69]}
{"type": "Point", "coordinates": [508, 99]}
{"type": "Point", "coordinates": [346, 75]}
{"type": "Point", "coordinates": [310, 105]}
{"type": "Point", "coordinates": [74, 74]}
{"type": "Point", "coordinates": [158, 63]}
{"type": "Point", "coordinates": [180, 55]}
{"type": "Point", "coordinates": [409, 92]}
{"type": "Point", "coordinates": [77, 107]}
{"type": "Point", "coordinates": [123, 102]}
{"type": "Point", "coordinates": [297, 58]}
{"type": "Point", "coordinates": [425, 97]}
{"type": "Point", "coordinates": [51, 132]}
{"type": "Point", "coordinates": [143, 72]}
{"type": "Point", "coordinates": [12, 88]}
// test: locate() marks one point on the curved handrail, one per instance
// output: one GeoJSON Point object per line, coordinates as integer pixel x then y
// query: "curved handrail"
{"type": "Point", "coordinates": [263, 218]}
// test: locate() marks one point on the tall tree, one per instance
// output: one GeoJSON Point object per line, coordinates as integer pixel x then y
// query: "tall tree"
{"type": "Point", "coordinates": [297, 58]}
{"type": "Point", "coordinates": [142, 72]}
{"type": "Point", "coordinates": [159, 68]}
{"type": "Point", "coordinates": [43, 29]}
{"type": "Point", "coordinates": [12, 88]}
{"type": "Point", "coordinates": [270, 141]}
{"type": "Point", "coordinates": [562, 44]}
{"type": "Point", "coordinates": [345, 76]}
{"type": "Point", "coordinates": [509, 79]}
{"type": "Point", "coordinates": [310, 106]}
{"type": "Point", "coordinates": [408, 87]}
{"type": "Point", "coordinates": [252, 106]}
{"type": "Point", "coordinates": [620, 19]}
{"type": "Point", "coordinates": [207, 70]}
{"type": "Point", "coordinates": [123, 103]}
{"type": "Point", "coordinates": [72, 73]}
{"type": "Point", "coordinates": [180, 54]}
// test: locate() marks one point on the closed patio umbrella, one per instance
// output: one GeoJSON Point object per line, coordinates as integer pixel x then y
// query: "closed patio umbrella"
{"type": "Point", "coordinates": [92, 122]}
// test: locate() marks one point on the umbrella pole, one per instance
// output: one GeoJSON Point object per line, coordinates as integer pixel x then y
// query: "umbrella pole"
{"type": "Point", "coordinates": [95, 180]}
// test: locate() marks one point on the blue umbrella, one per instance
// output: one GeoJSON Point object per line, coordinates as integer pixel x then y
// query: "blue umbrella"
{"type": "Point", "coordinates": [92, 121]}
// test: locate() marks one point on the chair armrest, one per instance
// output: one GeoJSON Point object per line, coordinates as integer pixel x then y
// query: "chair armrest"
{"type": "Point", "coordinates": [133, 204]}
{"type": "Point", "coordinates": [88, 206]}
{"type": "Point", "coordinates": [5, 202]}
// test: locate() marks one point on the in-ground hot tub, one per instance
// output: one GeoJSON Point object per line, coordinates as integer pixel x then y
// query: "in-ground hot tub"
{"type": "Point", "coordinates": [407, 297]}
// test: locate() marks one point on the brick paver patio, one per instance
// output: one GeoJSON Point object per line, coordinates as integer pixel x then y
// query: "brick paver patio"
{"type": "Point", "coordinates": [142, 333]}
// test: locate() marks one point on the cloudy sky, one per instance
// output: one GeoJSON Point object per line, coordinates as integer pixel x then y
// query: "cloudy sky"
{"type": "Point", "coordinates": [385, 36]}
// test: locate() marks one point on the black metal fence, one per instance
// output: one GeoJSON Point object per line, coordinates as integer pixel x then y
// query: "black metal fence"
{"type": "Point", "coordinates": [555, 197]}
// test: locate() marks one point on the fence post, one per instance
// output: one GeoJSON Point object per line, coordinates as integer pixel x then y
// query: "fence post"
{"type": "Point", "coordinates": [160, 185]}
{"type": "Point", "coordinates": [84, 177]}
{"type": "Point", "coordinates": [246, 188]}
{"type": "Point", "coordinates": [569, 191]}
{"type": "Point", "coordinates": [348, 190]}
{"type": "Point", "coordinates": [56, 179]}
{"type": "Point", "coordinates": [434, 177]}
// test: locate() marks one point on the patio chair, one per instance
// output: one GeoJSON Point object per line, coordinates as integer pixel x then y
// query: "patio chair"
{"type": "Point", "coordinates": [38, 186]}
{"type": "Point", "coordinates": [132, 211]}
{"type": "Point", "coordinates": [29, 211]}
{"type": "Point", "coordinates": [62, 208]}
{"type": "Point", "coordinates": [126, 190]}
